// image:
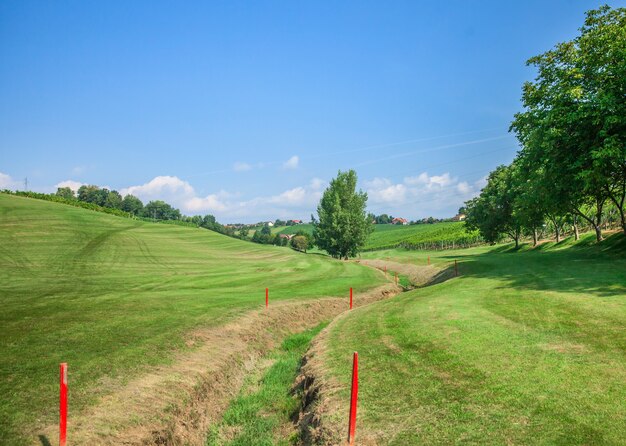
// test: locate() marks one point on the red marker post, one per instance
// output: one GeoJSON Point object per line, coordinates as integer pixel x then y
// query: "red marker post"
{"type": "Point", "coordinates": [267, 297]}
{"type": "Point", "coordinates": [385, 270]}
{"type": "Point", "coordinates": [63, 405]}
{"type": "Point", "coordinates": [429, 260]}
{"type": "Point", "coordinates": [456, 269]}
{"type": "Point", "coordinates": [396, 278]}
{"type": "Point", "coordinates": [354, 394]}
{"type": "Point", "coordinates": [351, 298]}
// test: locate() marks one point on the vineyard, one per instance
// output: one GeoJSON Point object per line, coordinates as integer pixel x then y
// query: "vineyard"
{"type": "Point", "coordinates": [448, 235]}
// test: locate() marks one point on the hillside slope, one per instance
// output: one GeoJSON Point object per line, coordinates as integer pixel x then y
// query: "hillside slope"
{"type": "Point", "coordinates": [112, 296]}
{"type": "Point", "coordinates": [521, 348]}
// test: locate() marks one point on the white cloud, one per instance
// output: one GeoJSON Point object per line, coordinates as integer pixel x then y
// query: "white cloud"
{"type": "Point", "coordinates": [420, 196]}
{"type": "Point", "coordinates": [6, 182]}
{"type": "Point", "coordinates": [291, 163]}
{"type": "Point", "coordinates": [161, 188]}
{"type": "Point", "coordinates": [241, 167]}
{"type": "Point", "coordinates": [209, 203]}
{"type": "Point", "coordinates": [77, 170]}
{"type": "Point", "coordinates": [294, 196]}
{"type": "Point", "coordinates": [463, 187]}
{"type": "Point", "coordinates": [424, 179]}
{"type": "Point", "coordinates": [296, 202]}
{"type": "Point", "coordinates": [317, 184]}
{"type": "Point", "coordinates": [74, 185]}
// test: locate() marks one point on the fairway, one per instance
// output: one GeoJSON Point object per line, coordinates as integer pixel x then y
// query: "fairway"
{"type": "Point", "coordinates": [113, 296]}
{"type": "Point", "coordinates": [522, 348]}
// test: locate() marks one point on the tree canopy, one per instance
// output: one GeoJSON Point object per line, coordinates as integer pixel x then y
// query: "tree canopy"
{"type": "Point", "coordinates": [343, 224]}
{"type": "Point", "coordinates": [572, 164]}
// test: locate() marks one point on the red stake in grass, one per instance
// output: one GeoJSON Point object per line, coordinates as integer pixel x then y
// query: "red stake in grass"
{"type": "Point", "coordinates": [63, 405]}
{"type": "Point", "coordinates": [267, 297]}
{"type": "Point", "coordinates": [351, 298]}
{"type": "Point", "coordinates": [353, 398]}
{"type": "Point", "coordinates": [429, 260]}
{"type": "Point", "coordinates": [456, 270]}
{"type": "Point", "coordinates": [385, 270]}
{"type": "Point", "coordinates": [396, 278]}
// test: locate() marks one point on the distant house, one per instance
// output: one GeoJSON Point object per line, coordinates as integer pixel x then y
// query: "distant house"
{"type": "Point", "coordinates": [287, 236]}
{"type": "Point", "coordinates": [399, 221]}
{"type": "Point", "coordinates": [297, 222]}
{"type": "Point", "coordinates": [459, 217]}
{"type": "Point", "coordinates": [270, 223]}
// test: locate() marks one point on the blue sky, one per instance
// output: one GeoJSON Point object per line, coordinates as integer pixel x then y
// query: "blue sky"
{"type": "Point", "coordinates": [246, 109]}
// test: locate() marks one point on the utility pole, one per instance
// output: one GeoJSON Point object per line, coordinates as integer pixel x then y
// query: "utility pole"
{"type": "Point", "coordinates": [25, 184]}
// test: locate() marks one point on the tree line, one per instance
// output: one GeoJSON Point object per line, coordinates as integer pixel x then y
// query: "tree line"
{"type": "Point", "coordinates": [571, 169]}
{"type": "Point", "coordinates": [99, 199]}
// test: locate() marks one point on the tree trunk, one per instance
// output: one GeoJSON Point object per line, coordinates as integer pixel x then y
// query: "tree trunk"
{"type": "Point", "coordinates": [534, 237]}
{"type": "Point", "coordinates": [595, 221]}
{"type": "Point", "coordinates": [599, 205]}
{"type": "Point", "coordinates": [598, 229]}
{"type": "Point", "coordinates": [557, 228]}
{"type": "Point", "coordinates": [558, 233]}
{"type": "Point", "coordinates": [576, 234]}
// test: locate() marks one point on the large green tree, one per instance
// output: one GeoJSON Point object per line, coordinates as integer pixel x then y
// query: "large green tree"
{"type": "Point", "coordinates": [160, 210]}
{"type": "Point", "coordinates": [132, 204]}
{"type": "Point", "coordinates": [343, 224]}
{"type": "Point", "coordinates": [494, 212]}
{"type": "Point", "coordinates": [574, 122]}
{"type": "Point", "coordinates": [65, 192]}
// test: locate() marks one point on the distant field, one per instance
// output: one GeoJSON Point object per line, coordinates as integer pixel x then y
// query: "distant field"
{"type": "Point", "coordinates": [424, 236]}
{"type": "Point", "coordinates": [112, 296]}
{"type": "Point", "coordinates": [522, 348]}
{"type": "Point", "coordinates": [306, 227]}
{"type": "Point", "coordinates": [391, 236]}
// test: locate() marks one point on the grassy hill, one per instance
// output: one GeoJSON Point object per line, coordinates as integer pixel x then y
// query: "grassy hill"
{"type": "Point", "coordinates": [392, 236]}
{"type": "Point", "coordinates": [522, 348]}
{"type": "Point", "coordinates": [306, 227]}
{"type": "Point", "coordinates": [112, 296]}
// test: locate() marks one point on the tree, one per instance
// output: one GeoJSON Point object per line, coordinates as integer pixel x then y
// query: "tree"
{"type": "Point", "coordinates": [343, 225]}
{"type": "Point", "coordinates": [113, 200]}
{"type": "Point", "coordinates": [92, 194]}
{"type": "Point", "coordinates": [243, 232]}
{"type": "Point", "coordinates": [493, 212]}
{"type": "Point", "coordinates": [300, 242]}
{"type": "Point", "coordinates": [574, 121]}
{"type": "Point", "coordinates": [160, 210]}
{"type": "Point", "coordinates": [65, 192]}
{"type": "Point", "coordinates": [132, 205]}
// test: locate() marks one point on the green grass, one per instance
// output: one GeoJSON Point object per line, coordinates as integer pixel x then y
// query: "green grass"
{"type": "Point", "coordinates": [306, 227]}
{"type": "Point", "coordinates": [524, 347]}
{"type": "Point", "coordinates": [112, 296]}
{"type": "Point", "coordinates": [391, 236]}
{"type": "Point", "coordinates": [256, 416]}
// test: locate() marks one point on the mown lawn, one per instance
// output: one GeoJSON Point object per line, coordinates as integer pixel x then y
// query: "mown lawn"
{"type": "Point", "coordinates": [111, 296]}
{"type": "Point", "coordinates": [523, 348]}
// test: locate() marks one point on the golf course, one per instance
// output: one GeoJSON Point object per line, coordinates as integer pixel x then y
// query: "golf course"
{"type": "Point", "coordinates": [326, 223]}
{"type": "Point", "coordinates": [523, 347]}
{"type": "Point", "coordinates": [113, 297]}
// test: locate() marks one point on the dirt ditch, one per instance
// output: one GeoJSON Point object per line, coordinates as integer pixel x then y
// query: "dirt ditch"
{"type": "Point", "coordinates": [323, 417]}
{"type": "Point", "coordinates": [175, 404]}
